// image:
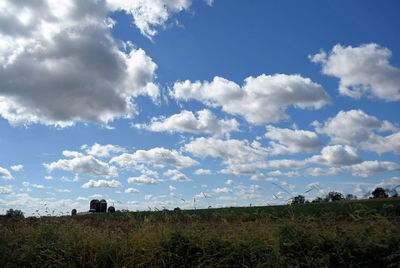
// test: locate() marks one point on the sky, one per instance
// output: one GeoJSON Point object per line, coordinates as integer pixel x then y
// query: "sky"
{"type": "Point", "coordinates": [196, 103]}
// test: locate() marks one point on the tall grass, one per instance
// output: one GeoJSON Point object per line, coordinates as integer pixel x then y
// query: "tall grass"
{"type": "Point", "coordinates": [356, 235]}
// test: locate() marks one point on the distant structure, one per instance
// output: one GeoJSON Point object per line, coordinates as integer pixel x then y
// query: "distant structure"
{"type": "Point", "coordinates": [103, 206]}
{"type": "Point", "coordinates": [96, 206]}
{"type": "Point", "coordinates": [111, 209]}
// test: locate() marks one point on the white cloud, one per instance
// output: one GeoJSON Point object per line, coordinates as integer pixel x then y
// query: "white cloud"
{"type": "Point", "coordinates": [6, 190]}
{"type": "Point", "coordinates": [176, 175]}
{"type": "Point", "coordinates": [319, 172]}
{"type": "Point", "coordinates": [102, 184]}
{"type": "Point", "coordinates": [261, 177]}
{"type": "Point", "coordinates": [186, 121]}
{"type": "Point", "coordinates": [261, 100]}
{"type": "Point", "coordinates": [156, 156]}
{"type": "Point", "coordinates": [286, 174]}
{"type": "Point", "coordinates": [337, 155]}
{"type": "Point", "coordinates": [48, 178]}
{"type": "Point", "coordinates": [98, 150]}
{"type": "Point", "coordinates": [131, 191]}
{"type": "Point", "coordinates": [363, 70]}
{"type": "Point", "coordinates": [369, 168]}
{"type": "Point", "coordinates": [314, 185]}
{"type": "Point", "coordinates": [84, 165]}
{"type": "Point", "coordinates": [63, 65]}
{"type": "Point", "coordinates": [229, 182]}
{"type": "Point", "coordinates": [17, 167]}
{"type": "Point", "coordinates": [223, 190]}
{"type": "Point", "coordinates": [64, 190]}
{"type": "Point", "coordinates": [237, 155]}
{"type": "Point", "coordinates": [141, 180]}
{"type": "Point", "coordinates": [172, 188]}
{"type": "Point", "coordinates": [292, 141]}
{"type": "Point", "coordinates": [227, 198]}
{"type": "Point", "coordinates": [357, 128]}
{"type": "Point", "coordinates": [38, 186]}
{"type": "Point", "coordinates": [147, 15]}
{"type": "Point", "coordinates": [202, 172]}
{"type": "Point", "coordinates": [389, 183]}
{"type": "Point", "coordinates": [5, 174]}
{"type": "Point", "coordinates": [72, 154]}
{"type": "Point", "coordinates": [80, 198]}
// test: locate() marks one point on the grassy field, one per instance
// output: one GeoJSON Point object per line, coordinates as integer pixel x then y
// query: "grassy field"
{"type": "Point", "coordinates": [343, 234]}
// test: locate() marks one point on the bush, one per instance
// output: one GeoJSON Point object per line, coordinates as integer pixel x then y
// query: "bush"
{"type": "Point", "coordinates": [11, 213]}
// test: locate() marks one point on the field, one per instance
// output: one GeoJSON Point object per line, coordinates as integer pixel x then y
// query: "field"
{"type": "Point", "coordinates": [344, 234]}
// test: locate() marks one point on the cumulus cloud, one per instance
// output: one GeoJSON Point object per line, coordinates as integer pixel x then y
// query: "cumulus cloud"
{"type": "Point", "coordinates": [318, 172]}
{"type": "Point", "coordinates": [363, 70]}
{"type": "Point", "coordinates": [292, 141]}
{"type": "Point", "coordinates": [229, 182]}
{"type": "Point", "coordinates": [5, 190]}
{"type": "Point", "coordinates": [261, 177]}
{"type": "Point", "coordinates": [172, 188]}
{"type": "Point", "coordinates": [286, 174]}
{"type": "Point", "coordinates": [202, 172]}
{"type": "Point", "coordinates": [357, 128]}
{"type": "Point", "coordinates": [369, 168]}
{"type": "Point", "coordinates": [262, 99]}
{"type": "Point", "coordinates": [176, 175]}
{"type": "Point", "coordinates": [102, 184]}
{"type": "Point", "coordinates": [17, 167]}
{"type": "Point", "coordinates": [131, 191]}
{"type": "Point", "coordinates": [84, 165]}
{"type": "Point", "coordinates": [313, 185]}
{"type": "Point", "coordinates": [5, 174]}
{"type": "Point", "coordinates": [147, 15]}
{"type": "Point", "coordinates": [99, 150]}
{"type": "Point", "coordinates": [337, 155]}
{"type": "Point", "coordinates": [238, 155]}
{"type": "Point", "coordinates": [59, 64]}
{"type": "Point", "coordinates": [223, 190]}
{"type": "Point", "coordinates": [157, 156]}
{"type": "Point", "coordinates": [66, 190]}
{"type": "Point", "coordinates": [141, 180]}
{"type": "Point", "coordinates": [186, 121]}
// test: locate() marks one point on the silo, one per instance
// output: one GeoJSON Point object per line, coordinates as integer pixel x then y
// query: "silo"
{"type": "Point", "coordinates": [111, 209]}
{"type": "Point", "coordinates": [94, 206]}
{"type": "Point", "coordinates": [103, 206]}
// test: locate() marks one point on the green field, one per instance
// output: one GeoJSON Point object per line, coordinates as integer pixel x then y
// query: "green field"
{"type": "Point", "coordinates": [343, 234]}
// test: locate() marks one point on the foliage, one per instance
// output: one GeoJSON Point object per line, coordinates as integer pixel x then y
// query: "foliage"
{"type": "Point", "coordinates": [379, 192]}
{"type": "Point", "coordinates": [300, 199]}
{"type": "Point", "coordinates": [11, 213]}
{"type": "Point", "coordinates": [345, 234]}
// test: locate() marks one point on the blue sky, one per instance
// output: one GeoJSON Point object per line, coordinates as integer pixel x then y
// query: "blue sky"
{"type": "Point", "coordinates": [155, 104]}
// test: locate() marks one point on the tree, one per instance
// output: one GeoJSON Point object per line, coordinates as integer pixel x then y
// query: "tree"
{"type": "Point", "coordinates": [351, 197]}
{"type": "Point", "coordinates": [379, 192]}
{"type": "Point", "coordinates": [317, 200]}
{"type": "Point", "coordinates": [334, 196]}
{"type": "Point", "coordinates": [298, 200]}
{"type": "Point", "coordinates": [14, 213]}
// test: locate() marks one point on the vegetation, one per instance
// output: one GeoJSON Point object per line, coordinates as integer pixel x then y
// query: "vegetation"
{"type": "Point", "coordinates": [335, 234]}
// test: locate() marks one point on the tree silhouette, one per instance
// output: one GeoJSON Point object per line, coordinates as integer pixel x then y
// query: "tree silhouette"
{"type": "Point", "coordinates": [379, 192]}
{"type": "Point", "coordinates": [298, 200]}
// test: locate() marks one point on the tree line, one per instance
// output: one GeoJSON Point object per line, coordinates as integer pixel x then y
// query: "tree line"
{"type": "Point", "coordinates": [334, 196]}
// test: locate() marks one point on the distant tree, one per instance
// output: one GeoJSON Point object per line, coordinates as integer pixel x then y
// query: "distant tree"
{"type": "Point", "coordinates": [334, 196]}
{"type": "Point", "coordinates": [379, 192]}
{"type": "Point", "coordinates": [317, 200]}
{"type": "Point", "coordinates": [351, 197]}
{"type": "Point", "coordinates": [14, 213]}
{"type": "Point", "coordinates": [298, 200]}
